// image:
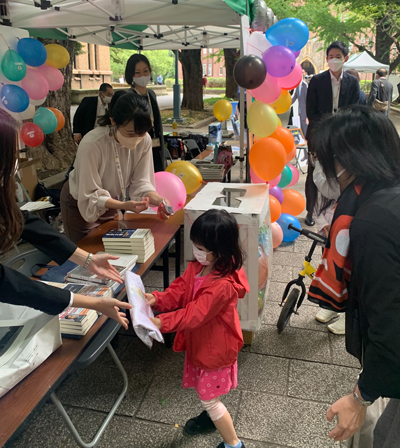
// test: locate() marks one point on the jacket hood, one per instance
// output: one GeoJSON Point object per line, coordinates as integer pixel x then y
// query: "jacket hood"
{"type": "Point", "coordinates": [238, 279]}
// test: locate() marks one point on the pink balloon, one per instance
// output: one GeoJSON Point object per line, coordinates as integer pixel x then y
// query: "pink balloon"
{"type": "Point", "coordinates": [274, 182]}
{"type": "Point", "coordinates": [295, 174]}
{"type": "Point", "coordinates": [277, 234]}
{"type": "Point", "coordinates": [293, 79]}
{"type": "Point", "coordinates": [269, 91]}
{"type": "Point", "coordinates": [254, 178]}
{"type": "Point", "coordinates": [53, 76]}
{"type": "Point", "coordinates": [35, 84]}
{"type": "Point", "coordinates": [171, 187]}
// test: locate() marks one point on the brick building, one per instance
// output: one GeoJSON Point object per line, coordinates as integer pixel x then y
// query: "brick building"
{"type": "Point", "coordinates": [91, 68]}
{"type": "Point", "coordinates": [211, 67]}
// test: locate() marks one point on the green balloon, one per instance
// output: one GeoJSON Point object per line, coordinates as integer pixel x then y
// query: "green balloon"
{"type": "Point", "coordinates": [286, 177]}
{"type": "Point", "coordinates": [13, 66]}
{"type": "Point", "coordinates": [46, 120]}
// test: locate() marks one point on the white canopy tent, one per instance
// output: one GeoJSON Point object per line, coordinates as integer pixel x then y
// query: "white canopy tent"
{"type": "Point", "coordinates": [364, 63]}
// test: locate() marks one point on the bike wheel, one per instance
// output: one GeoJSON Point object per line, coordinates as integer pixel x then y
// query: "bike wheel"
{"type": "Point", "coordinates": [287, 310]}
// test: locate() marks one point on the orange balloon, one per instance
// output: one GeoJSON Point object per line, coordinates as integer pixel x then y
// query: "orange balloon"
{"type": "Point", "coordinates": [293, 202]}
{"type": "Point", "coordinates": [267, 158]}
{"type": "Point", "coordinates": [275, 208]}
{"type": "Point", "coordinates": [60, 118]}
{"type": "Point", "coordinates": [284, 136]}
{"type": "Point", "coordinates": [291, 155]}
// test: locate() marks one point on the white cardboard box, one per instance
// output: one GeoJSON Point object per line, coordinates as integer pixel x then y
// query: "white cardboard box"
{"type": "Point", "coordinates": [249, 203]}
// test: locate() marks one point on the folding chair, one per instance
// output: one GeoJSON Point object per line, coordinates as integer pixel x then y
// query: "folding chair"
{"type": "Point", "coordinates": [191, 148]}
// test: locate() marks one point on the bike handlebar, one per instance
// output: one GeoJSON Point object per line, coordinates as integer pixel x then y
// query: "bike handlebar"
{"type": "Point", "coordinates": [309, 234]}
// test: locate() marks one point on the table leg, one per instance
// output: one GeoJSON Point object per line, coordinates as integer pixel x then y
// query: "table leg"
{"type": "Point", "coordinates": [178, 253]}
{"type": "Point", "coordinates": [165, 257]}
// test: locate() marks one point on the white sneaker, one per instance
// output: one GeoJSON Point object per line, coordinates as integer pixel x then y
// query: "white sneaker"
{"type": "Point", "coordinates": [338, 327]}
{"type": "Point", "coordinates": [325, 316]}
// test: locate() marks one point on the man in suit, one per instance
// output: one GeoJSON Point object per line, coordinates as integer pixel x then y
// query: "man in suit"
{"type": "Point", "coordinates": [300, 94]}
{"type": "Point", "coordinates": [327, 92]}
{"type": "Point", "coordinates": [90, 109]}
{"type": "Point", "coordinates": [381, 89]}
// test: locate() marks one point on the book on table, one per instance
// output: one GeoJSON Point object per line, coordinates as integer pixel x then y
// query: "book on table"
{"type": "Point", "coordinates": [124, 263]}
{"type": "Point", "coordinates": [139, 242]}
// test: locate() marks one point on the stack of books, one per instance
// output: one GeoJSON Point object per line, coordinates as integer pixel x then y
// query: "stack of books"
{"type": "Point", "coordinates": [83, 276]}
{"type": "Point", "coordinates": [139, 242]}
{"type": "Point", "coordinates": [208, 170]}
{"type": "Point", "coordinates": [76, 322]}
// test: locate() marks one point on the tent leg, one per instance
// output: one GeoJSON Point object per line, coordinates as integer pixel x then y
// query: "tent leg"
{"type": "Point", "coordinates": [177, 91]}
{"type": "Point", "coordinates": [242, 110]}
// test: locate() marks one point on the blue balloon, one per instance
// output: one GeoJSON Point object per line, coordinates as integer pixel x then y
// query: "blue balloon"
{"type": "Point", "coordinates": [14, 98]}
{"type": "Point", "coordinates": [32, 51]}
{"type": "Point", "coordinates": [292, 33]}
{"type": "Point", "coordinates": [46, 120]}
{"type": "Point", "coordinates": [284, 221]}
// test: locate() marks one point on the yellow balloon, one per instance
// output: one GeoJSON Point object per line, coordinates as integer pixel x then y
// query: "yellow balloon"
{"type": "Point", "coordinates": [222, 110]}
{"type": "Point", "coordinates": [57, 56]}
{"type": "Point", "coordinates": [187, 173]}
{"type": "Point", "coordinates": [279, 122]}
{"type": "Point", "coordinates": [261, 119]}
{"type": "Point", "coordinates": [283, 103]}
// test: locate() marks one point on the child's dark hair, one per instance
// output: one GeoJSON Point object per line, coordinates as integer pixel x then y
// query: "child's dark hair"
{"type": "Point", "coordinates": [218, 232]}
{"type": "Point", "coordinates": [126, 106]}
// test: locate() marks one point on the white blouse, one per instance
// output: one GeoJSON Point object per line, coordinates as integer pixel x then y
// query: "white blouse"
{"type": "Point", "coordinates": [94, 178]}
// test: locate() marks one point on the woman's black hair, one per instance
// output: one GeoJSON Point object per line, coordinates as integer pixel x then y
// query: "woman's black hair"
{"type": "Point", "coordinates": [363, 141]}
{"type": "Point", "coordinates": [218, 232]}
{"type": "Point", "coordinates": [131, 65]}
{"type": "Point", "coordinates": [125, 107]}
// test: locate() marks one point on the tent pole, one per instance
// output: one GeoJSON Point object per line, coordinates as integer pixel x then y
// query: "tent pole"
{"type": "Point", "coordinates": [177, 91]}
{"type": "Point", "coordinates": [242, 109]}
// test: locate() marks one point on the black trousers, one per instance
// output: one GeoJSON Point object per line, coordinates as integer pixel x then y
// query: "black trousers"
{"type": "Point", "coordinates": [311, 189]}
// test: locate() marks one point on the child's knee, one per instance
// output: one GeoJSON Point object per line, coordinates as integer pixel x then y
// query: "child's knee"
{"type": "Point", "coordinates": [215, 408]}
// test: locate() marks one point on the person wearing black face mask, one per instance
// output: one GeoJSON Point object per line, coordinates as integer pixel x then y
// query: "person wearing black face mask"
{"type": "Point", "coordinates": [111, 159]}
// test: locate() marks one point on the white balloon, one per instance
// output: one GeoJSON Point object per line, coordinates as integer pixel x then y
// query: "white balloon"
{"type": "Point", "coordinates": [257, 44]}
{"type": "Point", "coordinates": [37, 102]}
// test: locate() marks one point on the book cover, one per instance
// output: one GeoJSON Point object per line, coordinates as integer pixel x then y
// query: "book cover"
{"type": "Point", "coordinates": [76, 315]}
{"type": "Point", "coordinates": [127, 234]}
{"type": "Point", "coordinates": [85, 290]}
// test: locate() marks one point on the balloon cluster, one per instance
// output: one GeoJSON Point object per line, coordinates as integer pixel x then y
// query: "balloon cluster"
{"type": "Point", "coordinates": [268, 72]}
{"type": "Point", "coordinates": [33, 71]}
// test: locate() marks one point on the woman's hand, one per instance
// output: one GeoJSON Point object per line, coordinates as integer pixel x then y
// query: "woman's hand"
{"type": "Point", "coordinates": [157, 322]}
{"type": "Point", "coordinates": [137, 206]}
{"type": "Point", "coordinates": [151, 299]}
{"type": "Point", "coordinates": [162, 212]}
{"type": "Point", "coordinates": [350, 415]}
{"type": "Point", "coordinates": [100, 265]}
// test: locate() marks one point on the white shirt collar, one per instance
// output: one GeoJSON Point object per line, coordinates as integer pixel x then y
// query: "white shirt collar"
{"type": "Point", "coordinates": [333, 77]}
{"type": "Point", "coordinates": [100, 103]}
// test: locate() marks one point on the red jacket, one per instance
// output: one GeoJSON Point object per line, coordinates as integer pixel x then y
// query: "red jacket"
{"type": "Point", "coordinates": [207, 324]}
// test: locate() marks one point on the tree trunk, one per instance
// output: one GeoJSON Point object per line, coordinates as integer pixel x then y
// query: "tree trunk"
{"type": "Point", "coordinates": [192, 79]}
{"type": "Point", "coordinates": [382, 45]}
{"type": "Point", "coordinates": [58, 148]}
{"type": "Point", "coordinates": [230, 56]}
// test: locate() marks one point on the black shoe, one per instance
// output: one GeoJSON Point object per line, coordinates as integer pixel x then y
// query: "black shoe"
{"type": "Point", "coordinates": [199, 424]}
{"type": "Point", "coordinates": [222, 445]}
{"type": "Point", "coordinates": [309, 221]}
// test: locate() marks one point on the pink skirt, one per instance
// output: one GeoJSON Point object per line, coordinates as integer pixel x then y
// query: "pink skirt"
{"type": "Point", "coordinates": [209, 384]}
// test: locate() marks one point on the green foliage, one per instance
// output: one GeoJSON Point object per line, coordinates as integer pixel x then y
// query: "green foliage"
{"type": "Point", "coordinates": [161, 61]}
{"type": "Point", "coordinates": [216, 82]}
{"type": "Point", "coordinates": [79, 49]}
{"type": "Point", "coordinates": [211, 101]}
{"type": "Point", "coordinates": [169, 82]}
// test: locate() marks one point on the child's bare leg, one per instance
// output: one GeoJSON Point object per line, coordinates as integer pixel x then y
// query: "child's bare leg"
{"type": "Point", "coordinates": [221, 419]}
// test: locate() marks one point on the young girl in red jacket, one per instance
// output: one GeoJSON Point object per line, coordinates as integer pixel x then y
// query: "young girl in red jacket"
{"type": "Point", "coordinates": [201, 307]}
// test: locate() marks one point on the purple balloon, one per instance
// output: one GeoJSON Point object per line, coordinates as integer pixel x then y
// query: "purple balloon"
{"type": "Point", "coordinates": [279, 60]}
{"type": "Point", "coordinates": [296, 53]}
{"type": "Point", "coordinates": [277, 193]}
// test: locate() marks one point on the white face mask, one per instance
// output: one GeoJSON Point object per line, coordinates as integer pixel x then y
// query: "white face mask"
{"type": "Point", "coordinates": [142, 81]}
{"type": "Point", "coordinates": [129, 142]}
{"type": "Point", "coordinates": [335, 64]}
{"type": "Point", "coordinates": [201, 256]}
{"type": "Point", "coordinates": [107, 99]}
{"type": "Point", "coordinates": [330, 190]}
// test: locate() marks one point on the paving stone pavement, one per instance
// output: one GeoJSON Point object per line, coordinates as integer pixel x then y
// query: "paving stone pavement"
{"type": "Point", "coordinates": [286, 384]}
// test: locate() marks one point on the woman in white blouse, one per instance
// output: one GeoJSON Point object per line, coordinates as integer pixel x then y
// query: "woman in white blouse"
{"type": "Point", "coordinates": [111, 159]}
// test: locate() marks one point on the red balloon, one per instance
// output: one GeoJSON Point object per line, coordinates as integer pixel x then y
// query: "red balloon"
{"type": "Point", "coordinates": [31, 134]}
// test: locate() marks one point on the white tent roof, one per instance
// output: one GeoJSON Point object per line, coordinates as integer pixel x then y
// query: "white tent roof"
{"type": "Point", "coordinates": [149, 24]}
{"type": "Point", "coordinates": [364, 63]}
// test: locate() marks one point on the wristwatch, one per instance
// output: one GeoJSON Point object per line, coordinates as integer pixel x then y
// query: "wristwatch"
{"type": "Point", "coordinates": [359, 399]}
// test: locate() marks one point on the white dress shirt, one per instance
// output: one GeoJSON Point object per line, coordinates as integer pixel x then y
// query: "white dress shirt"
{"type": "Point", "coordinates": [101, 110]}
{"type": "Point", "coordinates": [335, 91]}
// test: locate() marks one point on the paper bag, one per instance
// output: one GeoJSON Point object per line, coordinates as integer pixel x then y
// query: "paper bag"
{"type": "Point", "coordinates": [141, 311]}
{"type": "Point", "coordinates": [27, 338]}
